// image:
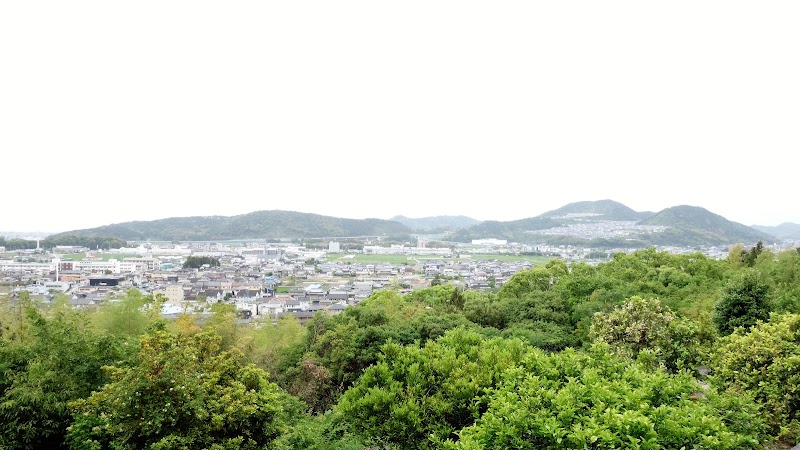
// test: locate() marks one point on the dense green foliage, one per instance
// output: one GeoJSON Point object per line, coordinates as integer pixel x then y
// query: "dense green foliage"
{"type": "Point", "coordinates": [182, 392]}
{"type": "Point", "coordinates": [259, 224]}
{"type": "Point", "coordinates": [499, 393]}
{"type": "Point", "coordinates": [56, 360]}
{"type": "Point", "coordinates": [744, 301]}
{"type": "Point", "coordinates": [573, 400]}
{"type": "Point", "coordinates": [419, 397]}
{"type": "Point", "coordinates": [578, 356]}
{"type": "Point", "coordinates": [196, 262]}
{"type": "Point", "coordinates": [765, 362]}
{"type": "Point", "coordinates": [104, 242]}
{"type": "Point", "coordinates": [698, 226]}
{"type": "Point", "coordinates": [339, 348]}
{"type": "Point", "coordinates": [644, 324]}
{"type": "Point", "coordinates": [17, 244]}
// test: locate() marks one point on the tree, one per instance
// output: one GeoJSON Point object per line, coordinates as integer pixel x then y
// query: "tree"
{"type": "Point", "coordinates": [58, 360]}
{"type": "Point", "coordinates": [339, 348]}
{"type": "Point", "coordinates": [629, 328]}
{"type": "Point", "coordinates": [644, 324]}
{"type": "Point", "coordinates": [744, 301]}
{"type": "Point", "coordinates": [736, 256]}
{"type": "Point", "coordinates": [182, 392]}
{"type": "Point", "coordinates": [765, 361]}
{"type": "Point", "coordinates": [418, 397]}
{"type": "Point", "coordinates": [484, 309]}
{"type": "Point", "coordinates": [783, 272]}
{"type": "Point", "coordinates": [573, 400]}
{"type": "Point", "coordinates": [128, 316]}
{"type": "Point", "coordinates": [321, 432]}
{"type": "Point", "coordinates": [749, 258]}
{"type": "Point", "coordinates": [274, 346]}
{"type": "Point", "coordinates": [468, 392]}
{"type": "Point", "coordinates": [526, 281]}
{"type": "Point", "coordinates": [196, 262]}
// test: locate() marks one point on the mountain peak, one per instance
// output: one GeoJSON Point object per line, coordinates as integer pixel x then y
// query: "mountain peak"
{"type": "Point", "coordinates": [599, 209]}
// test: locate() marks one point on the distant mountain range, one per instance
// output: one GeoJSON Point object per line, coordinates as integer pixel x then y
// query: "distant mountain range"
{"type": "Point", "coordinates": [606, 223]}
{"type": "Point", "coordinates": [603, 223]}
{"type": "Point", "coordinates": [698, 226]}
{"type": "Point", "coordinates": [437, 222]}
{"type": "Point", "coordinates": [270, 225]}
{"type": "Point", "coordinates": [783, 231]}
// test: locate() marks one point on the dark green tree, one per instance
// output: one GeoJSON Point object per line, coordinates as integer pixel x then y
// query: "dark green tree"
{"type": "Point", "coordinates": [744, 301]}
{"type": "Point", "coordinates": [574, 400]}
{"type": "Point", "coordinates": [749, 258]}
{"type": "Point", "coordinates": [764, 361]}
{"type": "Point", "coordinates": [182, 392]}
{"type": "Point", "coordinates": [418, 397]}
{"type": "Point", "coordinates": [196, 262]}
{"type": "Point", "coordinates": [57, 361]}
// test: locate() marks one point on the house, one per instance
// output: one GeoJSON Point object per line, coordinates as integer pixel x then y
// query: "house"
{"type": "Point", "coordinates": [335, 309]}
{"type": "Point", "coordinates": [302, 316]}
{"type": "Point", "coordinates": [337, 295]}
{"type": "Point", "coordinates": [174, 294]}
{"type": "Point", "coordinates": [246, 308]}
{"type": "Point", "coordinates": [272, 308]}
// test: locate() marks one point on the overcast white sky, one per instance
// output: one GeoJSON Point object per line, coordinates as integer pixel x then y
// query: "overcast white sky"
{"type": "Point", "coordinates": [116, 111]}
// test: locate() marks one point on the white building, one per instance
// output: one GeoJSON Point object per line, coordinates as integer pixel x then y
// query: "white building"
{"type": "Point", "coordinates": [149, 262]}
{"type": "Point", "coordinates": [489, 242]}
{"type": "Point", "coordinates": [112, 265]}
{"type": "Point", "coordinates": [174, 294]}
{"type": "Point", "coordinates": [13, 266]}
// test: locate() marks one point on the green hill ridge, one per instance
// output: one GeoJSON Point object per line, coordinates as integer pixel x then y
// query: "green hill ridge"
{"type": "Point", "coordinates": [604, 209]}
{"type": "Point", "coordinates": [275, 224]}
{"type": "Point", "coordinates": [602, 223]}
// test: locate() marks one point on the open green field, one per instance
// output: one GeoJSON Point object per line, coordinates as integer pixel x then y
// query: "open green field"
{"type": "Point", "coordinates": [412, 259]}
{"type": "Point", "coordinates": [103, 256]}
{"type": "Point", "coordinates": [284, 289]}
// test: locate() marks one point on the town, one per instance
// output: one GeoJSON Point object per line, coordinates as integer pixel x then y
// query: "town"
{"type": "Point", "coordinates": [265, 280]}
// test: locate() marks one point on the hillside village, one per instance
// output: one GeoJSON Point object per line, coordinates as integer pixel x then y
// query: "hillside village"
{"type": "Point", "coordinates": [268, 280]}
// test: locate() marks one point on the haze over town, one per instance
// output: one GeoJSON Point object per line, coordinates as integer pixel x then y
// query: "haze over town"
{"type": "Point", "coordinates": [115, 113]}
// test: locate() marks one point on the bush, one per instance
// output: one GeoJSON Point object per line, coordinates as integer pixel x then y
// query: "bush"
{"type": "Point", "coordinates": [765, 361]}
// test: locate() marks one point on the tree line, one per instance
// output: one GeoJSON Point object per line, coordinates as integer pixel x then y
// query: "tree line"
{"type": "Point", "coordinates": [648, 350]}
{"type": "Point", "coordinates": [91, 242]}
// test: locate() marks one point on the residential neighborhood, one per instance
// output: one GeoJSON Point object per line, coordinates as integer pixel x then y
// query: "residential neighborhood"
{"type": "Point", "coordinates": [268, 280]}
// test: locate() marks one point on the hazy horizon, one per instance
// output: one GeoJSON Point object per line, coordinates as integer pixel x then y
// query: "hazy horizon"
{"type": "Point", "coordinates": [311, 212]}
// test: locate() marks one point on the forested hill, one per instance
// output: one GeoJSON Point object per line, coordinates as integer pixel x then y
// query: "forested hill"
{"type": "Point", "coordinates": [605, 209]}
{"type": "Point", "coordinates": [513, 231]}
{"type": "Point", "coordinates": [603, 223]}
{"type": "Point", "coordinates": [785, 230]}
{"type": "Point", "coordinates": [697, 225]}
{"type": "Point", "coordinates": [256, 225]}
{"type": "Point", "coordinates": [606, 223]}
{"type": "Point", "coordinates": [436, 222]}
